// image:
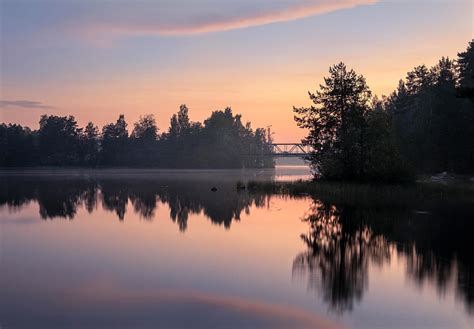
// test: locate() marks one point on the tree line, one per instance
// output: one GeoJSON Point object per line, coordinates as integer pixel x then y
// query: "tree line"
{"type": "Point", "coordinates": [221, 141]}
{"type": "Point", "coordinates": [425, 126]}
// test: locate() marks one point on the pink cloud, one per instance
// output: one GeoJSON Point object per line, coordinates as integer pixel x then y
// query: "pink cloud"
{"type": "Point", "coordinates": [184, 23]}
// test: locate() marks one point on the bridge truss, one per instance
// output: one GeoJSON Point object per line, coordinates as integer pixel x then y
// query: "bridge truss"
{"type": "Point", "coordinates": [287, 150]}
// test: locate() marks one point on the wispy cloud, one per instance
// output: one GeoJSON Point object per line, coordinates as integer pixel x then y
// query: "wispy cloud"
{"type": "Point", "coordinates": [26, 104]}
{"type": "Point", "coordinates": [166, 18]}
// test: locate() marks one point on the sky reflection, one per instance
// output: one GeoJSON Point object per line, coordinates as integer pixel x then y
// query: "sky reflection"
{"type": "Point", "coordinates": [134, 254]}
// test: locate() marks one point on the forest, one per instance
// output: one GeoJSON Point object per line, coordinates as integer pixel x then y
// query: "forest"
{"type": "Point", "coordinates": [222, 141]}
{"type": "Point", "coordinates": [425, 126]}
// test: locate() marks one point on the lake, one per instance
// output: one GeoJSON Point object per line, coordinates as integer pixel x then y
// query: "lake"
{"type": "Point", "coordinates": [159, 249]}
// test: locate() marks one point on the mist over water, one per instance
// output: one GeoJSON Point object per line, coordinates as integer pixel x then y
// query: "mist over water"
{"type": "Point", "coordinates": [151, 248]}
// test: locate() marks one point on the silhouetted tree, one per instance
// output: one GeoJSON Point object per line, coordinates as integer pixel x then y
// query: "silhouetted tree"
{"type": "Point", "coordinates": [115, 143]}
{"type": "Point", "coordinates": [466, 70]}
{"type": "Point", "coordinates": [383, 162]}
{"type": "Point", "coordinates": [90, 142]}
{"type": "Point", "coordinates": [427, 123]}
{"type": "Point", "coordinates": [181, 142]}
{"type": "Point", "coordinates": [222, 142]}
{"type": "Point", "coordinates": [466, 86]}
{"type": "Point", "coordinates": [145, 129]}
{"type": "Point", "coordinates": [143, 146]}
{"type": "Point", "coordinates": [59, 142]}
{"type": "Point", "coordinates": [221, 134]}
{"type": "Point", "coordinates": [180, 123]}
{"type": "Point", "coordinates": [338, 130]}
{"type": "Point", "coordinates": [433, 127]}
{"type": "Point", "coordinates": [17, 146]}
{"type": "Point", "coordinates": [335, 123]}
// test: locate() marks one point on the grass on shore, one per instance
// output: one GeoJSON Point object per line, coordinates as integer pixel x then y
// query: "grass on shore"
{"type": "Point", "coordinates": [370, 195]}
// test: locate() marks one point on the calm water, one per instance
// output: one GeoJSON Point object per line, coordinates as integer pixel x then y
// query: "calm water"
{"type": "Point", "coordinates": [158, 249]}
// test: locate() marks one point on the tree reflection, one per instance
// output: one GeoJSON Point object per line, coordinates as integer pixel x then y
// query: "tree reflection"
{"type": "Point", "coordinates": [342, 242]}
{"type": "Point", "coordinates": [115, 197]}
{"type": "Point", "coordinates": [339, 250]}
{"type": "Point", "coordinates": [59, 198]}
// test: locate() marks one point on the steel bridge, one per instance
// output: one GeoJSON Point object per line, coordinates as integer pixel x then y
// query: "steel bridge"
{"type": "Point", "coordinates": [286, 150]}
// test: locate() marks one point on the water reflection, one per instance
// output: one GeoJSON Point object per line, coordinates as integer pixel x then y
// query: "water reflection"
{"type": "Point", "coordinates": [59, 198]}
{"type": "Point", "coordinates": [342, 241]}
{"type": "Point", "coordinates": [339, 250]}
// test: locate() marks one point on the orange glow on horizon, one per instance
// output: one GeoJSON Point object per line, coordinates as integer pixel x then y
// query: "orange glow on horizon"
{"type": "Point", "coordinates": [263, 95]}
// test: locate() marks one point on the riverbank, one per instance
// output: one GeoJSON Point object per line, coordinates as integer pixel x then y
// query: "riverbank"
{"type": "Point", "coordinates": [371, 195]}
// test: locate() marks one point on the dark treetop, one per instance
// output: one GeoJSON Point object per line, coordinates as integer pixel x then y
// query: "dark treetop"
{"type": "Point", "coordinates": [426, 125]}
{"type": "Point", "coordinates": [222, 141]}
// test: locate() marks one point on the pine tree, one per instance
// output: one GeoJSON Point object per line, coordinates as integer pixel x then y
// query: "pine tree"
{"type": "Point", "coordinates": [336, 124]}
{"type": "Point", "coordinates": [466, 71]}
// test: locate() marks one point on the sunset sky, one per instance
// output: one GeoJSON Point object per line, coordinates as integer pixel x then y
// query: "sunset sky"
{"type": "Point", "coordinates": [95, 59]}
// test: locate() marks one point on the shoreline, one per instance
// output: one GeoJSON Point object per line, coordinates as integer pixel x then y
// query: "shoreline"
{"type": "Point", "coordinates": [369, 195]}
